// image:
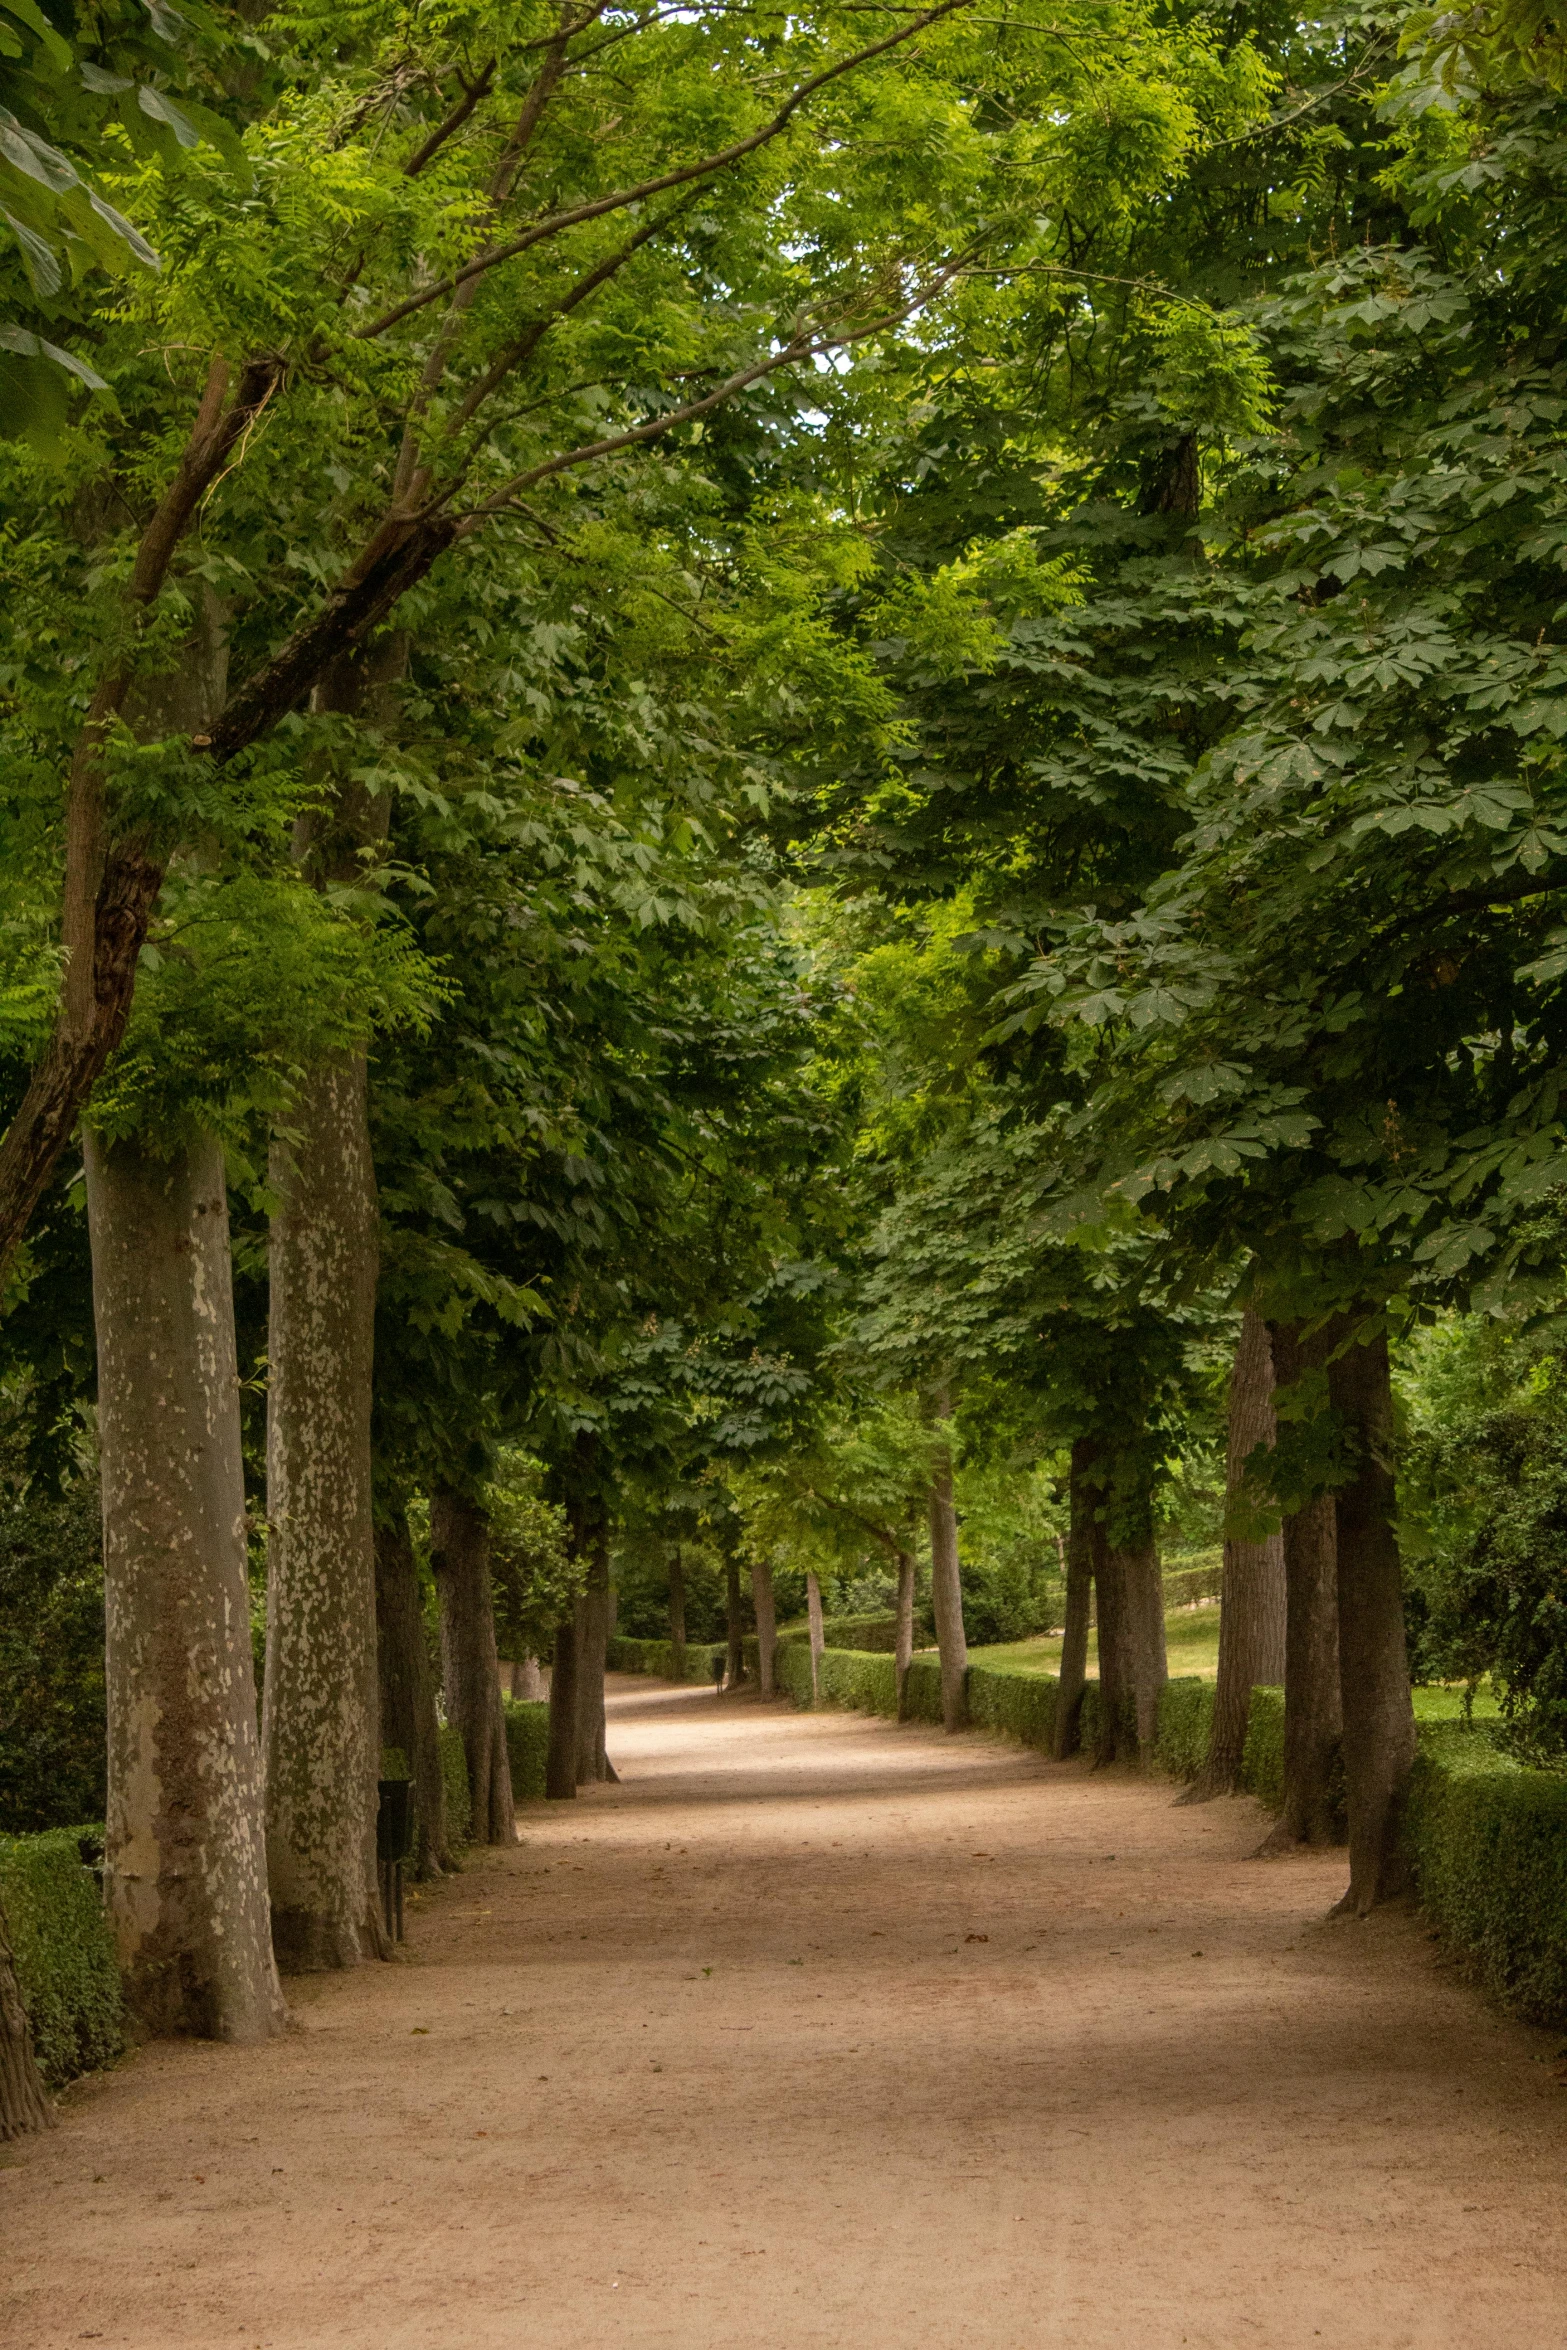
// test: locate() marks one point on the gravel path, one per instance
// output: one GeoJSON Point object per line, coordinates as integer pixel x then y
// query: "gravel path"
{"type": "Point", "coordinates": [819, 2032]}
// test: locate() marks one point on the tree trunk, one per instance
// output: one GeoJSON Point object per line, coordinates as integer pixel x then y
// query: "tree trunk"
{"type": "Point", "coordinates": [1252, 1605]}
{"type": "Point", "coordinates": [813, 1616]}
{"type": "Point", "coordinates": [592, 1650]}
{"type": "Point", "coordinates": [903, 1638]}
{"type": "Point", "coordinates": [732, 1624]}
{"type": "Point", "coordinates": [407, 1690]}
{"type": "Point", "coordinates": [1313, 1712]}
{"type": "Point", "coordinates": [1083, 1501]}
{"type": "Point", "coordinates": [946, 1589]}
{"type": "Point", "coordinates": [470, 1668]}
{"type": "Point", "coordinates": [185, 1860]}
{"type": "Point", "coordinates": [1142, 1588]}
{"type": "Point", "coordinates": [527, 1681]}
{"type": "Point", "coordinates": [1115, 1666]}
{"type": "Point", "coordinates": [1379, 1722]}
{"type": "Point", "coordinates": [677, 1611]}
{"type": "Point", "coordinates": [24, 2102]}
{"type": "Point", "coordinates": [560, 1762]}
{"type": "Point", "coordinates": [766, 1622]}
{"type": "Point", "coordinates": [320, 1702]}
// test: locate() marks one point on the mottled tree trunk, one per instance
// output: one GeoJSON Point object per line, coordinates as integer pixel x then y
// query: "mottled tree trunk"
{"type": "Point", "coordinates": [733, 1626]}
{"type": "Point", "coordinates": [903, 1637]}
{"type": "Point", "coordinates": [1379, 1723]}
{"type": "Point", "coordinates": [185, 1862]}
{"type": "Point", "coordinates": [592, 1653]}
{"type": "Point", "coordinates": [1083, 1502]}
{"type": "Point", "coordinates": [560, 1761]}
{"type": "Point", "coordinates": [470, 1668]}
{"type": "Point", "coordinates": [946, 1587]}
{"type": "Point", "coordinates": [320, 1702]}
{"type": "Point", "coordinates": [1313, 1710]}
{"type": "Point", "coordinates": [766, 1622]}
{"type": "Point", "coordinates": [24, 2103]}
{"type": "Point", "coordinates": [813, 1617]}
{"type": "Point", "coordinates": [677, 1611]}
{"type": "Point", "coordinates": [527, 1681]}
{"type": "Point", "coordinates": [1252, 1604]}
{"type": "Point", "coordinates": [407, 1688]}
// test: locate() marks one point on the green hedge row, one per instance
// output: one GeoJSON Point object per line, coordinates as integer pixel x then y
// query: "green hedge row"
{"type": "Point", "coordinates": [527, 1743]}
{"type": "Point", "coordinates": [65, 1964]}
{"type": "Point", "coordinates": [658, 1658]}
{"type": "Point", "coordinates": [1488, 1841]}
{"type": "Point", "coordinates": [454, 1775]}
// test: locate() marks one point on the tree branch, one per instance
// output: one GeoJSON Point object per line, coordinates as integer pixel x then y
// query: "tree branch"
{"type": "Point", "coordinates": [573, 217]}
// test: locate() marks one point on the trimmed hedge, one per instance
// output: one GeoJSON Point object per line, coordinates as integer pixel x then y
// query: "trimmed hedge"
{"type": "Point", "coordinates": [65, 1962]}
{"type": "Point", "coordinates": [454, 1776]}
{"type": "Point", "coordinates": [1487, 1838]}
{"type": "Point", "coordinates": [1014, 1705]}
{"type": "Point", "coordinates": [658, 1658]}
{"type": "Point", "coordinates": [527, 1744]}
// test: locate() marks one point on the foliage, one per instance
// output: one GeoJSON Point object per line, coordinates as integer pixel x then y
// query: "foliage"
{"type": "Point", "coordinates": [51, 1656]}
{"type": "Point", "coordinates": [1488, 1840]}
{"type": "Point", "coordinates": [1483, 1504]}
{"type": "Point", "coordinates": [534, 1579]}
{"type": "Point", "coordinates": [527, 1745]}
{"type": "Point", "coordinates": [454, 1779]}
{"type": "Point", "coordinates": [65, 1963]}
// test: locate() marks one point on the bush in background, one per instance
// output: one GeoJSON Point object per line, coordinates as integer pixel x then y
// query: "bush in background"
{"type": "Point", "coordinates": [65, 1964]}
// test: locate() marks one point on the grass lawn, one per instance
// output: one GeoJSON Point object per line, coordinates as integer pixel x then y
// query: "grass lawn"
{"type": "Point", "coordinates": [1191, 1637]}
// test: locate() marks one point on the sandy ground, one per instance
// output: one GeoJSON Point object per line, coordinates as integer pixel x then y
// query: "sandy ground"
{"type": "Point", "coordinates": [820, 2032]}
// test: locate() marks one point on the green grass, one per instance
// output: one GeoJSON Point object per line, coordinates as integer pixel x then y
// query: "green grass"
{"type": "Point", "coordinates": [1191, 1635]}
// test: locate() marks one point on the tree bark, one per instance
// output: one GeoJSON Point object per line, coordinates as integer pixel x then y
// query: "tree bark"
{"type": "Point", "coordinates": [321, 1702]}
{"type": "Point", "coordinates": [1379, 1723]}
{"type": "Point", "coordinates": [527, 1681]}
{"type": "Point", "coordinates": [592, 1653]}
{"type": "Point", "coordinates": [903, 1638]}
{"type": "Point", "coordinates": [677, 1611]}
{"type": "Point", "coordinates": [946, 1588]}
{"type": "Point", "coordinates": [766, 1623]}
{"type": "Point", "coordinates": [1115, 1667]}
{"type": "Point", "coordinates": [1142, 1588]}
{"type": "Point", "coordinates": [1083, 1502]}
{"type": "Point", "coordinates": [1252, 1611]}
{"type": "Point", "coordinates": [813, 1617]}
{"type": "Point", "coordinates": [733, 1626]}
{"type": "Point", "coordinates": [470, 1667]}
{"type": "Point", "coordinates": [24, 2102]}
{"type": "Point", "coordinates": [407, 1690]}
{"type": "Point", "coordinates": [560, 1762]}
{"type": "Point", "coordinates": [185, 1861]}
{"type": "Point", "coordinates": [1313, 1711]}
{"type": "Point", "coordinates": [321, 1726]}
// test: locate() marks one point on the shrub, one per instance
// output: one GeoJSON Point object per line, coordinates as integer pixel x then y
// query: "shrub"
{"type": "Point", "coordinates": [527, 1744]}
{"type": "Point", "coordinates": [861, 1679]}
{"type": "Point", "coordinates": [454, 1775]}
{"type": "Point", "coordinates": [1016, 1705]}
{"type": "Point", "coordinates": [65, 1963]}
{"type": "Point", "coordinates": [1185, 1725]}
{"type": "Point", "coordinates": [922, 1693]}
{"type": "Point", "coordinates": [658, 1657]}
{"type": "Point", "coordinates": [52, 1736]}
{"type": "Point", "coordinates": [1262, 1761]}
{"type": "Point", "coordinates": [1487, 1838]}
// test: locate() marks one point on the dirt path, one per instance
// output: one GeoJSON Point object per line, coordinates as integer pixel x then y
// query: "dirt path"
{"type": "Point", "coordinates": [819, 2032]}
